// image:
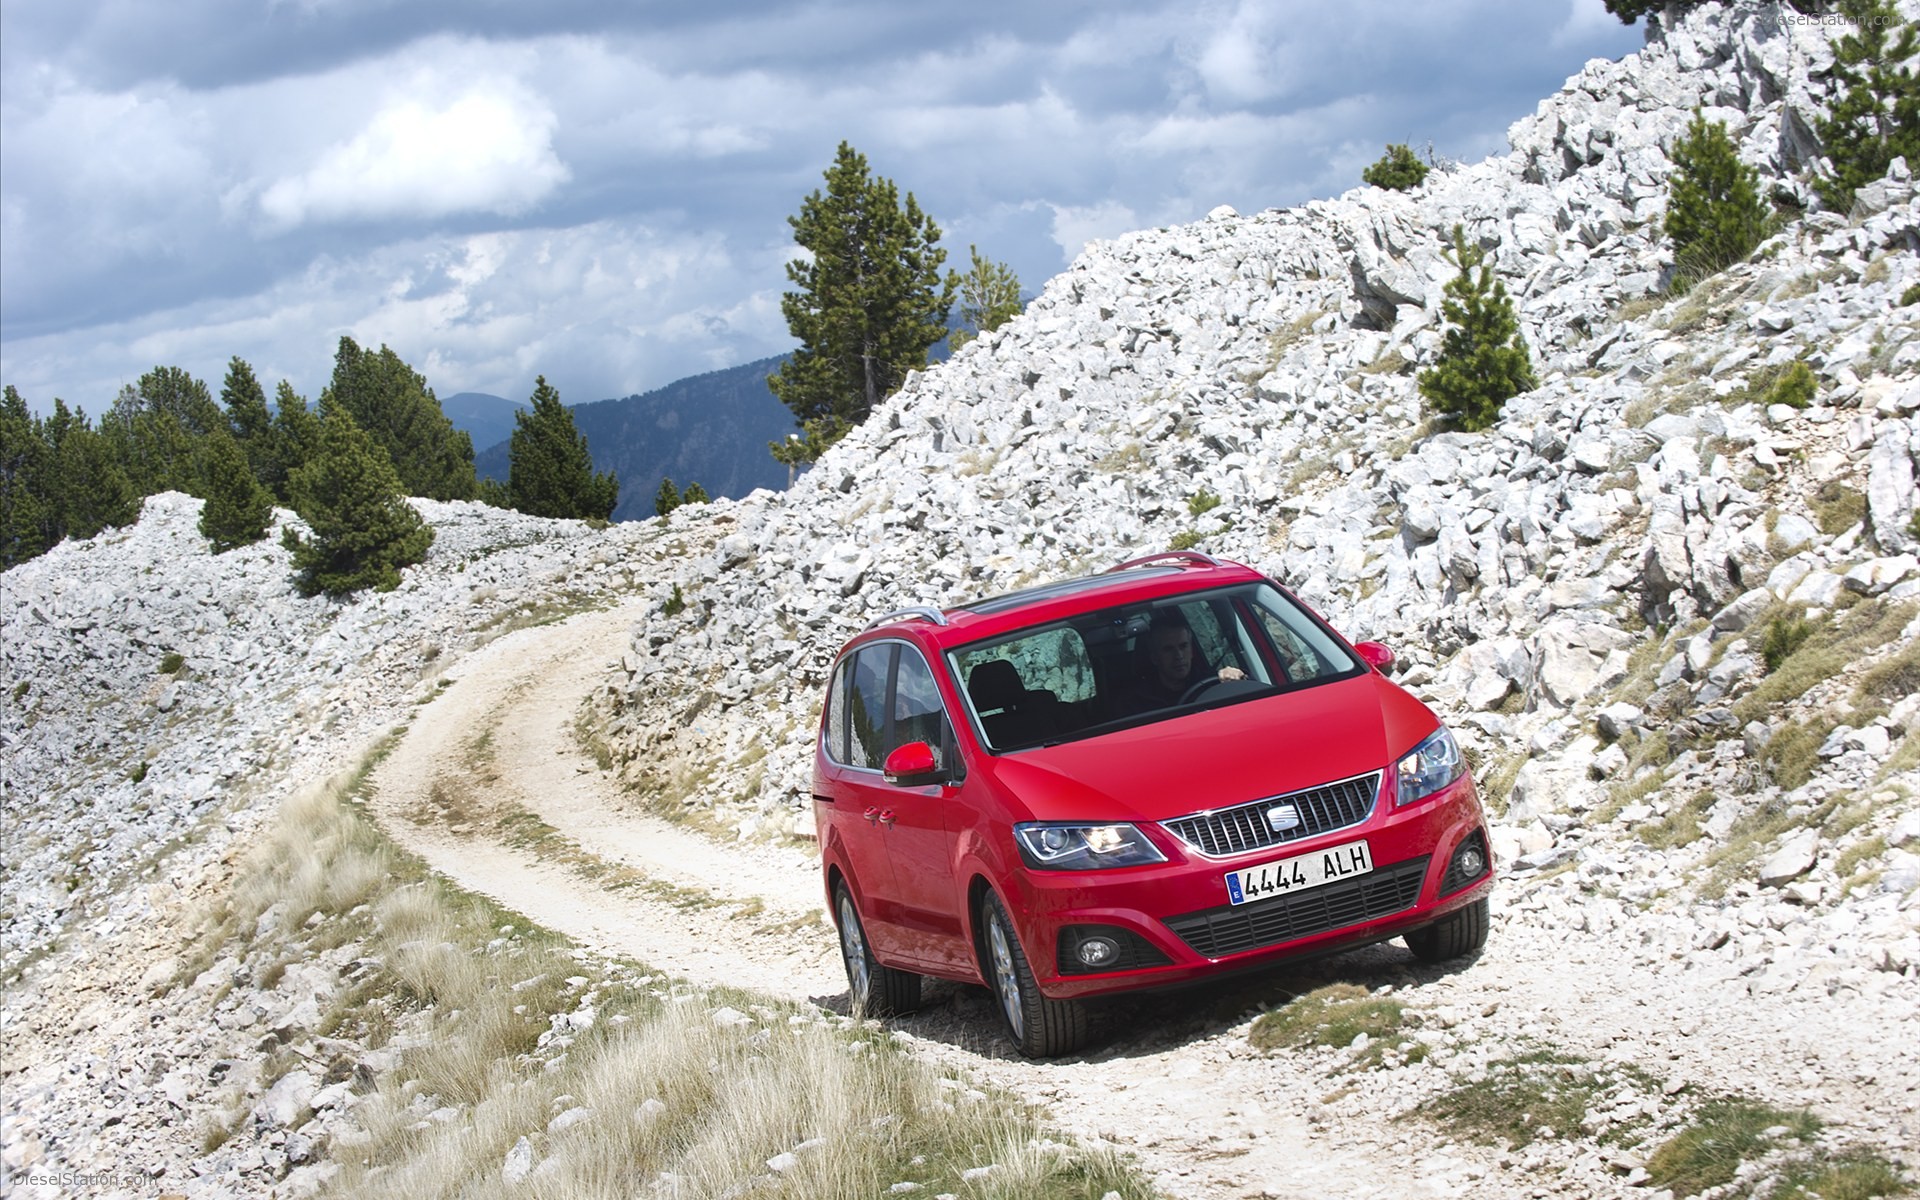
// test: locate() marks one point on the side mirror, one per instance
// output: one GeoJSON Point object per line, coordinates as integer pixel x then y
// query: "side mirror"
{"type": "Point", "coordinates": [912, 765]}
{"type": "Point", "coordinates": [1376, 655]}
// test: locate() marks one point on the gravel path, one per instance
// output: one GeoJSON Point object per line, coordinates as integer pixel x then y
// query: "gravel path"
{"type": "Point", "coordinates": [491, 785]}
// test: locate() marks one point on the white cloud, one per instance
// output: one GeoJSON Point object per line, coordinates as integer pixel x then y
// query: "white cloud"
{"type": "Point", "coordinates": [1586, 20]}
{"type": "Point", "coordinates": [489, 150]}
{"type": "Point", "coordinates": [1076, 225]}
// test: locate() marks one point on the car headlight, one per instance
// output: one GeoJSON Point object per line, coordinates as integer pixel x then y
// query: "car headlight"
{"type": "Point", "coordinates": [1048, 846]}
{"type": "Point", "coordinates": [1430, 766]}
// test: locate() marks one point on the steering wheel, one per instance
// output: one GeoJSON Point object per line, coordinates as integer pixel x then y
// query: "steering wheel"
{"type": "Point", "coordinates": [1198, 688]}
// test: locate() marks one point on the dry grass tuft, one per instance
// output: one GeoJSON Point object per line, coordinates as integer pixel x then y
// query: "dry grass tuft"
{"type": "Point", "coordinates": [672, 1092]}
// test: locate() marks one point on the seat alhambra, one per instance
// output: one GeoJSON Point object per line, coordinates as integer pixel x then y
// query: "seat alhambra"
{"type": "Point", "coordinates": [1141, 778]}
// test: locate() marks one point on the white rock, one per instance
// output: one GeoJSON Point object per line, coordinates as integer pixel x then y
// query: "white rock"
{"type": "Point", "coordinates": [1794, 859]}
{"type": "Point", "coordinates": [518, 1164]}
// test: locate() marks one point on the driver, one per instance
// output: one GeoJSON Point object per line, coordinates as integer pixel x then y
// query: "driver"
{"type": "Point", "coordinates": [1172, 666]}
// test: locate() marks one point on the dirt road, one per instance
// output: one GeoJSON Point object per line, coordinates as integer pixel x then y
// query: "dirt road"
{"type": "Point", "coordinates": [492, 786]}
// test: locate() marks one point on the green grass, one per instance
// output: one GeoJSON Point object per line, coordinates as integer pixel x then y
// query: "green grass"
{"type": "Point", "coordinates": [1784, 635]}
{"type": "Point", "coordinates": [1838, 508]}
{"type": "Point", "coordinates": [1681, 825]}
{"type": "Point", "coordinates": [1330, 1016]}
{"type": "Point", "coordinates": [170, 663]}
{"type": "Point", "coordinates": [1891, 680]}
{"type": "Point", "coordinates": [1793, 751]}
{"type": "Point", "coordinates": [1834, 645]}
{"type": "Point", "coordinates": [1724, 1134]}
{"type": "Point", "coordinates": [1846, 1175]}
{"type": "Point", "coordinates": [1539, 1094]}
{"type": "Point", "coordinates": [1795, 387]}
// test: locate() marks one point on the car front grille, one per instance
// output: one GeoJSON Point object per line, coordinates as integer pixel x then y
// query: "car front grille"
{"type": "Point", "coordinates": [1236, 928]}
{"type": "Point", "coordinates": [1245, 827]}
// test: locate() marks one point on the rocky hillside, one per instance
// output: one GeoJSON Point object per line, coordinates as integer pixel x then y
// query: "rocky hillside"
{"type": "Point", "coordinates": [1673, 621]}
{"type": "Point", "coordinates": [161, 696]}
{"type": "Point", "coordinates": [1591, 591]}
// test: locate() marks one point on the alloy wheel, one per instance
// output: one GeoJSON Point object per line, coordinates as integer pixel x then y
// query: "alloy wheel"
{"type": "Point", "coordinates": [1006, 978]}
{"type": "Point", "coordinates": [853, 948]}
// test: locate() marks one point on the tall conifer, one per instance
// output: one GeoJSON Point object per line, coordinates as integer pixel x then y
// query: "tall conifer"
{"type": "Point", "coordinates": [251, 423]}
{"type": "Point", "coordinates": [870, 301]}
{"type": "Point", "coordinates": [296, 436]}
{"type": "Point", "coordinates": [363, 529]}
{"type": "Point", "coordinates": [549, 468]}
{"type": "Point", "coordinates": [238, 510]}
{"type": "Point", "coordinates": [26, 507]}
{"type": "Point", "coordinates": [392, 403]}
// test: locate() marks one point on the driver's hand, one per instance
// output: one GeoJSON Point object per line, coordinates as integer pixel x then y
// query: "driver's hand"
{"type": "Point", "coordinates": [1232, 673]}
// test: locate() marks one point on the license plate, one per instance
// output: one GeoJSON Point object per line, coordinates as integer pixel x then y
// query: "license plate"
{"type": "Point", "coordinates": [1299, 873]}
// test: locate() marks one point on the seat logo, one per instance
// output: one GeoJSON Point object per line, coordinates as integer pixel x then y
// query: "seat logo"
{"type": "Point", "coordinates": [1283, 817]}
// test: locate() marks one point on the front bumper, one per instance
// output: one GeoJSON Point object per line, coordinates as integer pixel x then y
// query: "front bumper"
{"type": "Point", "coordinates": [1181, 910]}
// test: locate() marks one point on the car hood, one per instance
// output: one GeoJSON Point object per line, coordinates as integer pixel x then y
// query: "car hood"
{"type": "Point", "coordinates": [1219, 757]}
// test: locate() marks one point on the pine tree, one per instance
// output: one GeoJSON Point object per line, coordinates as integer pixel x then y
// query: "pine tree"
{"type": "Point", "coordinates": [238, 510]}
{"type": "Point", "coordinates": [392, 403]}
{"type": "Point", "coordinates": [695, 494]}
{"type": "Point", "coordinates": [154, 430]}
{"type": "Point", "coordinates": [667, 498]}
{"type": "Point", "coordinates": [1714, 212]}
{"type": "Point", "coordinates": [549, 468]}
{"type": "Point", "coordinates": [296, 437]}
{"type": "Point", "coordinates": [363, 529]}
{"type": "Point", "coordinates": [1483, 357]}
{"type": "Point", "coordinates": [1876, 117]}
{"type": "Point", "coordinates": [26, 506]}
{"type": "Point", "coordinates": [871, 301]}
{"type": "Point", "coordinates": [1398, 170]}
{"type": "Point", "coordinates": [251, 423]}
{"type": "Point", "coordinates": [989, 296]}
{"type": "Point", "coordinates": [95, 492]}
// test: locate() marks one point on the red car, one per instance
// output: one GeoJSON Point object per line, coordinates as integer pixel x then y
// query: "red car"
{"type": "Point", "coordinates": [1164, 772]}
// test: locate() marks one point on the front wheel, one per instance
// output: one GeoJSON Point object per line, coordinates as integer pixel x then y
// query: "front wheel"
{"type": "Point", "coordinates": [1459, 932]}
{"type": "Point", "coordinates": [1040, 1028]}
{"type": "Point", "coordinates": [873, 990]}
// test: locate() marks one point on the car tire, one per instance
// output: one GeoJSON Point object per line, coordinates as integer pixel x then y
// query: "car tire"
{"type": "Point", "coordinates": [1459, 932]}
{"type": "Point", "coordinates": [1039, 1027]}
{"type": "Point", "coordinates": [873, 990]}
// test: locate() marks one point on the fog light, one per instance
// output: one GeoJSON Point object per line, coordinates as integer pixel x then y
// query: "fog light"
{"type": "Point", "coordinates": [1469, 862]}
{"type": "Point", "coordinates": [1097, 951]}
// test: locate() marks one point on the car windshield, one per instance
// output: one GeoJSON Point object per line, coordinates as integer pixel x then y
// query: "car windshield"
{"type": "Point", "coordinates": [1119, 667]}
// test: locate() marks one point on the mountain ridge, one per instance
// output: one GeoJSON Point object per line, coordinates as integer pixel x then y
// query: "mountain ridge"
{"type": "Point", "coordinates": [711, 428]}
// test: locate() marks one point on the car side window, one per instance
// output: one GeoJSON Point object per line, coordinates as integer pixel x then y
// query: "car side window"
{"type": "Point", "coordinates": [836, 721]}
{"type": "Point", "coordinates": [917, 713]}
{"type": "Point", "coordinates": [867, 706]}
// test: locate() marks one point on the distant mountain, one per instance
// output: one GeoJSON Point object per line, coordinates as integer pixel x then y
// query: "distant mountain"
{"type": "Point", "coordinates": [712, 429]}
{"type": "Point", "coordinates": [488, 419]}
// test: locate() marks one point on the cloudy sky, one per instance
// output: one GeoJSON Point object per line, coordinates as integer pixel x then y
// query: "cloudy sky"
{"type": "Point", "coordinates": [598, 191]}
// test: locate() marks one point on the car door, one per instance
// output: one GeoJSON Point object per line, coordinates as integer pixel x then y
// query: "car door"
{"type": "Point", "coordinates": [920, 837]}
{"type": "Point", "coordinates": [856, 708]}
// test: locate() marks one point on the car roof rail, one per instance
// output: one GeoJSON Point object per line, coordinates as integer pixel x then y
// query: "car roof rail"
{"type": "Point", "coordinates": [1186, 558]}
{"type": "Point", "coordinates": [913, 612]}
